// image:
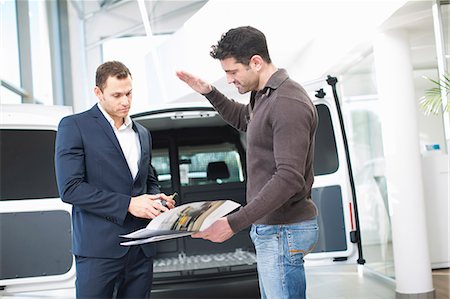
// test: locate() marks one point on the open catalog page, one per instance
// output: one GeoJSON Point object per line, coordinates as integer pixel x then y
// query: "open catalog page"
{"type": "Point", "coordinates": [181, 221]}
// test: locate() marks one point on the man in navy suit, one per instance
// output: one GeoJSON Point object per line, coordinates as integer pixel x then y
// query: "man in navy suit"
{"type": "Point", "coordinates": [103, 170]}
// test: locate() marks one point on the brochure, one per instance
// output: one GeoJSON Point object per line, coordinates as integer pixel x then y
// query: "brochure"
{"type": "Point", "coordinates": [181, 221]}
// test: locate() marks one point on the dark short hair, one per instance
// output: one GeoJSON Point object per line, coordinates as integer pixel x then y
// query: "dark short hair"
{"type": "Point", "coordinates": [110, 69]}
{"type": "Point", "coordinates": [241, 43]}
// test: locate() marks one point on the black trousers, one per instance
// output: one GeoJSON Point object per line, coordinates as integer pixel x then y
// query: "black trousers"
{"type": "Point", "coordinates": [130, 276]}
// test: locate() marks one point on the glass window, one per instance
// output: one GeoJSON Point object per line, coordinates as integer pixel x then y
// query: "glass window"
{"type": "Point", "coordinates": [445, 11]}
{"type": "Point", "coordinates": [27, 164]}
{"type": "Point", "coordinates": [361, 115]}
{"type": "Point", "coordinates": [10, 69]}
{"type": "Point", "coordinates": [40, 53]}
{"type": "Point", "coordinates": [325, 156]}
{"type": "Point", "coordinates": [161, 166]}
{"type": "Point", "coordinates": [210, 164]}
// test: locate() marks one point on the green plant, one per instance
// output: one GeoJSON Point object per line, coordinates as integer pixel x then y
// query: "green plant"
{"type": "Point", "coordinates": [431, 102]}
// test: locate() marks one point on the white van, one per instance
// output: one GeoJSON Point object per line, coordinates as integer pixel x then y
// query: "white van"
{"type": "Point", "coordinates": [192, 147]}
{"type": "Point", "coordinates": [35, 225]}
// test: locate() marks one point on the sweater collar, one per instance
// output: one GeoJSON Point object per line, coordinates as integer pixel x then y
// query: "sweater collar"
{"type": "Point", "coordinates": [277, 79]}
{"type": "Point", "coordinates": [273, 83]}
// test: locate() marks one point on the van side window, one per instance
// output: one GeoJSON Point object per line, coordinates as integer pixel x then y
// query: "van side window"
{"type": "Point", "coordinates": [161, 166]}
{"type": "Point", "coordinates": [27, 164]}
{"type": "Point", "coordinates": [326, 157]}
{"type": "Point", "coordinates": [209, 164]}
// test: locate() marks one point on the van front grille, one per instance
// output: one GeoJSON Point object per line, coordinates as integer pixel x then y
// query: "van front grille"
{"type": "Point", "coordinates": [204, 261]}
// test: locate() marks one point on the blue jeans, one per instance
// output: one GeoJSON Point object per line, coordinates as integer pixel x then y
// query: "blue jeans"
{"type": "Point", "coordinates": [279, 255]}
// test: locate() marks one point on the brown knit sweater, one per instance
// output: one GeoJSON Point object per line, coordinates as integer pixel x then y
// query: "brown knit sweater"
{"type": "Point", "coordinates": [280, 122]}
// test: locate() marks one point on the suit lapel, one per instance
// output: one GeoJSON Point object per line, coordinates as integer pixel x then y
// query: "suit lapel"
{"type": "Point", "coordinates": [108, 130]}
{"type": "Point", "coordinates": [144, 142]}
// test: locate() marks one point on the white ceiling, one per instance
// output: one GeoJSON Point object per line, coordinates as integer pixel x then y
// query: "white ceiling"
{"type": "Point", "coordinates": [122, 18]}
{"type": "Point", "coordinates": [415, 17]}
{"type": "Point", "coordinates": [167, 16]}
{"type": "Point", "coordinates": [106, 19]}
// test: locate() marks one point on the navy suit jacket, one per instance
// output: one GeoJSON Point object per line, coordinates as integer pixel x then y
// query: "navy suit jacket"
{"type": "Point", "coordinates": [93, 176]}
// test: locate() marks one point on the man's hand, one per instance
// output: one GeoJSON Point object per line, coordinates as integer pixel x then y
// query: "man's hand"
{"type": "Point", "coordinates": [218, 232]}
{"type": "Point", "coordinates": [147, 206]}
{"type": "Point", "coordinates": [195, 83]}
{"type": "Point", "coordinates": [168, 199]}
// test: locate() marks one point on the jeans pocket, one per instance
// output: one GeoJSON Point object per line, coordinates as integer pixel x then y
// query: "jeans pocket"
{"type": "Point", "coordinates": [301, 240]}
{"type": "Point", "coordinates": [264, 235]}
{"type": "Point", "coordinates": [266, 231]}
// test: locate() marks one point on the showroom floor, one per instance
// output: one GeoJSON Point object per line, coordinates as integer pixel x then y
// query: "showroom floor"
{"type": "Point", "coordinates": [344, 282]}
{"type": "Point", "coordinates": [324, 282]}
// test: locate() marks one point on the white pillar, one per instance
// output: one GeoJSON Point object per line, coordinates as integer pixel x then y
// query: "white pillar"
{"type": "Point", "coordinates": [403, 165]}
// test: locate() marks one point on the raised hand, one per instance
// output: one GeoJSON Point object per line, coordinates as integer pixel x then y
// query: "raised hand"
{"type": "Point", "coordinates": [194, 82]}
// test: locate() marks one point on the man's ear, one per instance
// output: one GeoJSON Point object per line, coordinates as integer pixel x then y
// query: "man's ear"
{"type": "Point", "coordinates": [98, 93]}
{"type": "Point", "coordinates": [256, 62]}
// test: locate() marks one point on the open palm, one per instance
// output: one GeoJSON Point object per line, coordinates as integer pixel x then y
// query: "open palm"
{"type": "Point", "coordinates": [194, 82]}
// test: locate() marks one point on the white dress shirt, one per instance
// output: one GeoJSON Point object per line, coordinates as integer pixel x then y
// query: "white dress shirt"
{"type": "Point", "coordinates": [128, 140]}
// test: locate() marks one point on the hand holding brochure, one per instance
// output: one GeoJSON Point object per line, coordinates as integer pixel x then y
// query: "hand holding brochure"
{"type": "Point", "coordinates": [181, 221]}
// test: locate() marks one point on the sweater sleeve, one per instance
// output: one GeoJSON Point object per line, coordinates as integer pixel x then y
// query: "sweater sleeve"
{"type": "Point", "coordinates": [234, 113]}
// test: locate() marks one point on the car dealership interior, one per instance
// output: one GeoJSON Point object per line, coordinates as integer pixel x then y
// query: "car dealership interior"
{"type": "Point", "coordinates": [377, 71]}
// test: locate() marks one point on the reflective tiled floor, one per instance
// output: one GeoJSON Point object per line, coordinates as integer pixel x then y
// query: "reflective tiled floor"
{"type": "Point", "coordinates": [324, 282]}
{"type": "Point", "coordinates": [345, 282]}
{"type": "Point", "coordinates": [441, 282]}
{"type": "Point", "coordinates": [348, 282]}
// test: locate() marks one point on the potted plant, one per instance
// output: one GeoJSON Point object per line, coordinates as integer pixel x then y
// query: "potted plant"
{"type": "Point", "coordinates": [431, 102]}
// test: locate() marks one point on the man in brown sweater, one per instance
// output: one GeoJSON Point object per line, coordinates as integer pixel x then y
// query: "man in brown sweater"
{"type": "Point", "coordinates": [280, 122]}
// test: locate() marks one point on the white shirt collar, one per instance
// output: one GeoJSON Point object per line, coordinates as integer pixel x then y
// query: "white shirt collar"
{"type": "Point", "coordinates": [126, 124]}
